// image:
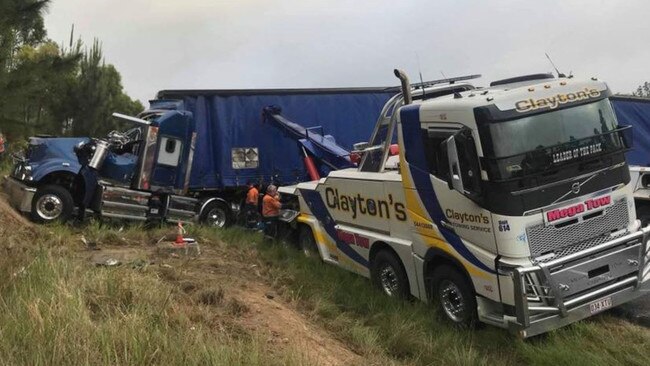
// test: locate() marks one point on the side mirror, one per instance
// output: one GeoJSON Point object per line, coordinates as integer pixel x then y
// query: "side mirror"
{"type": "Point", "coordinates": [454, 180]}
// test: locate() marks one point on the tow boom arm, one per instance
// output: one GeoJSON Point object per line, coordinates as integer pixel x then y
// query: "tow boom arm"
{"type": "Point", "coordinates": [313, 143]}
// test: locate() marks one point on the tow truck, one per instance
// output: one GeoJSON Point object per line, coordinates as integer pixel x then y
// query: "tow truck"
{"type": "Point", "coordinates": [509, 205]}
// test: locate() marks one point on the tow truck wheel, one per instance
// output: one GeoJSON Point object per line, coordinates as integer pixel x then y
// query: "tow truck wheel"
{"type": "Point", "coordinates": [51, 203]}
{"type": "Point", "coordinates": [455, 296]}
{"type": "Point", "coordinates": [307, 242]}
{"type": "Point", "coordinates": [216, 214]}
{"type": "Point", "coordinates": [389, 276]}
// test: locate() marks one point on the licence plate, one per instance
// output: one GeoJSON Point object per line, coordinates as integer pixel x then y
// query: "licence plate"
{"type": "Point", "coordinates": [600, 305]}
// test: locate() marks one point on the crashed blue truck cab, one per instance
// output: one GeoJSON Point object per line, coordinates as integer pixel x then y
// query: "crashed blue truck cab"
{"type": "Point", "coordinates": [189, 156]}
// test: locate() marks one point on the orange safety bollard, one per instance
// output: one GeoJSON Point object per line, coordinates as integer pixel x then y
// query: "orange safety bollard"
{"type": "Point", "coordinates": [179, 235]}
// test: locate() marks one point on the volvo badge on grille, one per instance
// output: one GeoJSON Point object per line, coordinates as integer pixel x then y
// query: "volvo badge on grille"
{"type": "Point", "coordinates": [575, 188]}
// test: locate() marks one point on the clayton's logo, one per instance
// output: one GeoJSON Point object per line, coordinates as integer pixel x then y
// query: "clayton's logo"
{"type": "Point", "coordinates": [573, 210]}
{"type": "Point", "coordinates": [552, 102]}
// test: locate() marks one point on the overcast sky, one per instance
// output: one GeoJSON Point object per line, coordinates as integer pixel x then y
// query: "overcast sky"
{"type": "Point", "coordinates": [218, 44]}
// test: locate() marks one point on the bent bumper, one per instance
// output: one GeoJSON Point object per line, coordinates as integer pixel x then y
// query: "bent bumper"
{"type": "Point", "coordinates": [19, 195]}
{"type": "Point", "coordinates": [550, 281]}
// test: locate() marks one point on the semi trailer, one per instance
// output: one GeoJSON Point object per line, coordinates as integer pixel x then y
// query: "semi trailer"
{"type": "Point", "coordinates": [635, 111]}
{"type": "Point", "coordinates": [188, 157]}
{"type": "Point", "coordinates": [510, 205]}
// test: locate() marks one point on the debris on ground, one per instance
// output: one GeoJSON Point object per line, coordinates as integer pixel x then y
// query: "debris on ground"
{"type": "Point", "coordinates": [187, 249]}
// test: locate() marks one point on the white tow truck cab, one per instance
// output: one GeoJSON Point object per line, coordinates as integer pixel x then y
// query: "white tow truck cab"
{"type": "Point", "coordinates": [511, 205]}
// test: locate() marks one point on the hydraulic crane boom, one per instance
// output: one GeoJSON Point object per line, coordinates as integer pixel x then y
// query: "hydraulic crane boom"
{"type": "Point", "coordinates": [318, 149]}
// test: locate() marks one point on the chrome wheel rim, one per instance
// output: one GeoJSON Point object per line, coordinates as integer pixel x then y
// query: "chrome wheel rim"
{"type": "Point", "coordinates": [452, 300]}
{"type": "Point", "coordinates": [217, 217]}
{"type": "Point", "coordinates": [49, 207]}
{"type": "Point", "coordinates": [388, 280]}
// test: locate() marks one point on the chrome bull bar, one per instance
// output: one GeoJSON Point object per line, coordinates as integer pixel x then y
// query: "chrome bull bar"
{"type": "Point", "coordinates": [554, 310]}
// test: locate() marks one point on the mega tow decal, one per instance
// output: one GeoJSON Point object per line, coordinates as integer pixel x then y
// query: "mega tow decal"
{"type": "Point", "coordinates": [560, 214]}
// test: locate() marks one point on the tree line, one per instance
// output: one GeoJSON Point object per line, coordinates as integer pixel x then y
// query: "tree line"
{"type": "Point", "coordinates": [47, 88]}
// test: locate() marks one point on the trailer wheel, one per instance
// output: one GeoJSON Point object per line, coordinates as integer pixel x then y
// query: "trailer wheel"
{"type": "Point", "coordinates": [307, 242]}
{"type": "Point", "coordinates": [216, 214]}
{"type": "Point", "coordinates": [51, 203]}
{"type": "Point", "coordinates": [455, 296]}
{"type": "Point", "coordinates": [389, 276]}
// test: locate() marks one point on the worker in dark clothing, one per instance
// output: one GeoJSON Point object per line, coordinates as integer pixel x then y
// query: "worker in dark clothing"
{"type": "Point", "coordinates": [252, 206]}
{"type": "Point", "coordinates": [271, 210]}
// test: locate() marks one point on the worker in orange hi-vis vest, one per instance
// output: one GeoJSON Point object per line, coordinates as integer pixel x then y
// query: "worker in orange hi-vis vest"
{"type": "Point", "coordinates": [271, 210]}
{"type": "Point", "coordinates": [251, 206]}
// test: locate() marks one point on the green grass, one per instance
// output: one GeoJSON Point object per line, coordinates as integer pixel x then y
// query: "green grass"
{"type": "Point", "coordinates": [412, 332]}
{"type": "Point", "coordinates": [6, 162]}
{"type": "Point", "coordinates": [5, 165]}
{"type": "Point", "coordinates": [55, 309]}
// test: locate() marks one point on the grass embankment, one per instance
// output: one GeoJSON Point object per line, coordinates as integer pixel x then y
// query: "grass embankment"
{"type": "Point", "coordinates": [57, 308]}
{"type": "Point", "coordinates": [411, 332]}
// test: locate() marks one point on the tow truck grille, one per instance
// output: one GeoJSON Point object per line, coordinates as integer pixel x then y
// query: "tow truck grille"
{"type": "Point", "coordinates": [564, 240]}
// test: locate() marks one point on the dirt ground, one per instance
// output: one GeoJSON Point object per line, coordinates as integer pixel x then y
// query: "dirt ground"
{"type": "Point", "coordinates": [219, 276]}
{"type": "Point", "coordinates": [9, 216]}
{"type": "Point", "coordinates": [233, 284]}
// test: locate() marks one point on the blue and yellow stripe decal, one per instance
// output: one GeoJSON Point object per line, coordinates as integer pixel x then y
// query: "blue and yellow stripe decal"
{"type": "Point", "coordinates": [421, 199]}
{"type": "Point", "coordinates": [319, 210]}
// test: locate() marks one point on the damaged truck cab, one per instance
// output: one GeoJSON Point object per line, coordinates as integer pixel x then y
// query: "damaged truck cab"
{"type": "Point", "coordinates": [141, 174]}
{"type": "Point", "coordinates": [510, 205]}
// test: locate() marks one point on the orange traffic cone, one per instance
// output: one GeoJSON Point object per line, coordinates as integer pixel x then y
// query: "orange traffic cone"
{"type": "Point", "coordinates": [179, 234]}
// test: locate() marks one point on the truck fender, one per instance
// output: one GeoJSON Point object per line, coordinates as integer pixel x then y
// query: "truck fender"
{"type": "Point", "coordinates": [434, 256]}
{"type": "Point", "coordinates": [210, 200]}
{"type": "Point", "coordinates": [55, 165]}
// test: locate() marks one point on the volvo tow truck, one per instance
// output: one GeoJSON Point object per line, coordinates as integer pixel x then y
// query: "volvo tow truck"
{"type": "Point", "coordinates": [509, 205]}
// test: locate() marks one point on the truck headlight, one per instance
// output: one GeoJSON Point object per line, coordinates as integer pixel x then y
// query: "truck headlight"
{"type": "Point", "coordinates": [28, 173]}
{"type": "Point", "coordinates": [23, 172]}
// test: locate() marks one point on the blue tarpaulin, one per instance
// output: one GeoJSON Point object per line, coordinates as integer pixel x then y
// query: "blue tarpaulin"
{"type": "Point", "coordinates": [634, 111]}
{"type": "Point", "coordinates": [233, 119]}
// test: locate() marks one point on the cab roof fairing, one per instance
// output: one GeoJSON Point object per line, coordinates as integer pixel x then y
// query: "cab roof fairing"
{"type": "Point", "coordinates": [505, 96]}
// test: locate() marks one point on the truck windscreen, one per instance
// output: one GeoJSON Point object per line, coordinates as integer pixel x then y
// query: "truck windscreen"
{"type": "Point", "coordinates": [533, 144]}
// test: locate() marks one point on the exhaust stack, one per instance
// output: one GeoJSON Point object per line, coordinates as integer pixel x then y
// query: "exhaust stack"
{"type": "Point", "coordinates": [406, 86]}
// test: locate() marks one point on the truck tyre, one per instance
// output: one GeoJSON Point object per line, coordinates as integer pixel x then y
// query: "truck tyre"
{"type": "Point", "coordinates": [455, 296]}
{"type": "Point", "coordinates": [51, 203]}
{"type": "Point", "coordinates": [216, 214]}
{"type": "Point", "coordinates": [387, 273]}
{"type": "Point", "coordinates": [307, 242]}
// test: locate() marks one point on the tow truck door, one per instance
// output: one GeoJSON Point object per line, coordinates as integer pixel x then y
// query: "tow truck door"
{"type": "Point", "coordinates": [174, 151]}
